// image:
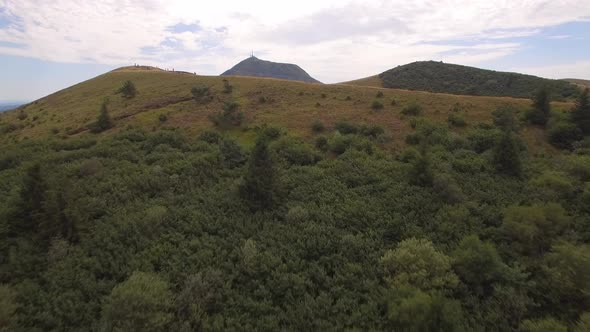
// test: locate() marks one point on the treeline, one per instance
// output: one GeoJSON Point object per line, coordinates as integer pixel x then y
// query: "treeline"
{"type": "Point", "coordinates": [456, 79]}
{"type": "Point", "coordinates": [154, 231]}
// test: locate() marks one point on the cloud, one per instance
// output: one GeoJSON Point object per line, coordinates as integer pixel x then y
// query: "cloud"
{"type": "Point", "coordinates": [332, 39]}
{"type": "Point", "coordinates": [576, 69]}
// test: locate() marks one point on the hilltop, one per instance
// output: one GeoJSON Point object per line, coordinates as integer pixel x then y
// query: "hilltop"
{"type": "Point", "coordinates": [292, 105]}
{"type": "Point", "coordinates": [255, 67]}
{"type": "Point", "coordinates": [442, 77]}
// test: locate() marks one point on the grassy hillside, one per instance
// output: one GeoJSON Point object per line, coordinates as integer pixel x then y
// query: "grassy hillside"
{"type": "Point", "coordinates": [293, 106]}
{"type": "Point", "coordinates": [326, 207]}
{"type": "Point", "coordinates": [449, 78]}
{"type": "Point", "coordinates": [260, 68]}
{"type": "Point", "coordinates": [371, 81]}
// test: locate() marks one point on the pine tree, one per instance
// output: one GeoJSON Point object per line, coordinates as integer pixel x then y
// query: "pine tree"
{"type": "Point", "coordinates": [506, 156]}
{"type": "Point", "coordinates": [258, 188]}
{"type": "Point", "coordinates": [104, 121]}
{"type": "Point", "coordinates": [421, 171]}
{"type": "Point", "coordinates": [539, 114]}
{"type": "Point", "coordinates": [581, 112]}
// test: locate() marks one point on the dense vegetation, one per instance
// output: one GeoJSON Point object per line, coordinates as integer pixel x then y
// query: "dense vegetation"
{"type": "Point", "coordinates": [156, 231]}
{"type": "Point", "coordinates": [261, 68]}
{"type": "Point", "coordinates": [448, 78]}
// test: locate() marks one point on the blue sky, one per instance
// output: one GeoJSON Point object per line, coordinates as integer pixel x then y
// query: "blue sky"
{"type": "Point", "coordinates": [47, 46]}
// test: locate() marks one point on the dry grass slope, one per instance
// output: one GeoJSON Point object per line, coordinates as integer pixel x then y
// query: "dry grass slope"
{"type": "Point", "coordinates": [290, 105]}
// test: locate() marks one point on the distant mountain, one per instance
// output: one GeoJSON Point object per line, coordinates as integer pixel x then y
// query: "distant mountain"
{"type": "Point", "coordinates": [261, 68]}
{"type": "Point", "coordinates": [9, 105]}
{"type": "Point", "coordinates": [456, 79]}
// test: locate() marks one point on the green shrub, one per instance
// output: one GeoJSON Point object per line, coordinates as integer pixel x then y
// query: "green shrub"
{"type": "Point", "coordinates": [412, 109]}
{"type": "Point", "coordinates": [22, 115]}
{"type": "Point", "coordinates": [379, 94]}
{"type": "Point", "coordinates": [162, 118]}
{"type": "Point", "coordinates": [345, 127]}
{"type": "Point", "coordinates": [456, 120]}
{"type": "Point", "coordinates": [211, 137]}
{"type": "Point", "coordinates": [227, 87]}
{"type": "Point", "coordinates": [128, 89]}
{"type": "Point", "coordinates": [201, 94]}
{"type": "Point", "coordinates": [377, 105]}
{"type": "Point", "coordinates": [322, 143]}
{"type": "Point", "coordinates": [230, 116]}
{"type": "Point", "coordinates": [318, 126]}
{"type": "Point", "coordinates": [564, 134]}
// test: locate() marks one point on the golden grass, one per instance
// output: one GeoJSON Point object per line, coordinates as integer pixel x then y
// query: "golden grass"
{"type": "Point", "coordinates": [291, 105]}
{"type": "Point", "coordinates": [372, 81]}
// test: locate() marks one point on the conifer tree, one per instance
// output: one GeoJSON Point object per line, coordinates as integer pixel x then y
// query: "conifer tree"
{"type": "Point", "coordinates": [104, 121]}
{"type": "Point", "coordinates": [506, 156]}
{"type": "Point", "coordinates": [259, 181]}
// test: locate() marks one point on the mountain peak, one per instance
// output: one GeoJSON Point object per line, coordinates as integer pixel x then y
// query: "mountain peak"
{"type": "Point", "coordinates": [253, 66]}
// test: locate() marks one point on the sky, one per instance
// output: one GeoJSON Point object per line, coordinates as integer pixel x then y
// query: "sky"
{"type": "Point", "coordinates": [46, 46]}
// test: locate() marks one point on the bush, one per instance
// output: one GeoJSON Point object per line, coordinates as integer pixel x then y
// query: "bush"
{"type": "Point", "coordinates": [22, 115]}
{"type": "Point", "coordinates": [318, 126]}
{"type": "Point", "coordinates": [321, 143]}
{"type": "Point", "coordinates": [412, 109]}
{"type": "Point", "coordinates": [201, 94]}
{"type": "Point", "coordinates": [230, 116]}
{"type": "Point", "coordinates": [393, 102]}
{"type": "Point", "coordinates": [163, 118]}
{"type": "Point", "coordinates": [371, 131]}
{"type": "Point", "coordinates": [348, 98]}
{"type": "Point", "coordinates": [377, 105]}
{"type": "Point", "coordinates": [456, 120]}
{"type": "Point", "coordinates": [345, 127]}
{"type": "Point", "coordinates": [379, 94]}
{"type": "Point", "coordinates": [564, 134]}
{"type": "Point", "coordinates": [210, 137]}
{"type": "Point", "coordinates": [128, 89]}
{"type": "Point", "coordinates": [324, 95]}
{"type": "Point", "coordinates": [227, 87]}
{"type": "Point", "coordinates": [262, 99]}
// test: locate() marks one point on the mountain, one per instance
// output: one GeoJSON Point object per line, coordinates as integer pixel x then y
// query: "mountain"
{"type": "Point", "coordinates": [9, 105]}
{"type": "Point", "coordinates": [262, 68]}
{"type": "Point", "coordinates": [442, 77]}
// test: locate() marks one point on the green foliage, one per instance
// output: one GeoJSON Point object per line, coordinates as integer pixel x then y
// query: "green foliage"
{"type": "Point", "coordinates": [542, 325]}
{"type": "Point", "coordinates": [345, 127]}
{"type": "Point", "coordinates": [478, 264]}
{"type": "Point", "coordinates": [318, 126]}
{"type": "Point", "coordinates": [104, 121]}
{"type": "Point", "coordinates": [141, 303]}
{"type": "Point", "coordinates": [541, 108]}
{"type": "Point", "coordinates": [8, 309]}
{"type": "Point", "coordinates": [379, 94]}
{"type": "Point", "coordinates": [580, 114]}
{"type": "Point", "coordinates": [162, 118]}
{"type": "Point", "coordinates": [231, 116]}
{"type": "Point", "coordinates": [202, 94]}
{"type": "Point", "coordinates": [416, 263]}
{"type": "Point", "coordinates": [563, 134]}
{"type": "Point", "coordinates": [421, 173]}
{"type": "Point", "coordinates": [377, 105]}
{"type": "Point", "coordinates": [456, 79]}
{"type": "Point", "coordinates": [128, 89]}
{"type": "Point", "coordinates": [506, 156]}
{"type": "Point", "coordinates": [412, 109]}
{"type": "Point", "coordinates": [505, 119]}
{"type": "Point", "coordinates": [455, 120]}
{"type": "Point", "coordinates": [533, 228]}
{"type": "Point", "coordinates": [258, 188]}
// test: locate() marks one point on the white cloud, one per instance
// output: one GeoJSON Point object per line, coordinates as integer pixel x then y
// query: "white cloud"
{"type": "Point", "coordinates": [576, 69]}
{"type": "Point", "coordinates": [333, 40]}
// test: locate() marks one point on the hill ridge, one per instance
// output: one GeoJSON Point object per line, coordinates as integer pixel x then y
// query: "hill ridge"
{"type": "Point", "coordinates": [256, 67]}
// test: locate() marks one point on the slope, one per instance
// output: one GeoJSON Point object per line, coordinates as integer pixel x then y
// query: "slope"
{"type": "Point", "coordinates": [292, 105]}
{"type": "Point", "coordinates": [261, 68]}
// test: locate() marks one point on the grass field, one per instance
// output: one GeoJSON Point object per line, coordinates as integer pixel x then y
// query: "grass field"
{"type": "Point", "coordinates": [291, 105]}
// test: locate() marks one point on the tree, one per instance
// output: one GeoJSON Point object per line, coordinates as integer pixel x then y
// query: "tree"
{"type": "Point", "coordinates": [580, 114]}
{"type": "Point", "coordinates": [32, 200]}
{"type": "Point", "coordinates": [421, 171]}
{"type": "Point", "coordinates": [533, 228]}
{"type": "Point", "coordinates": [478, 263]}
{"type": "Point", "coordinates": [8, 307]}
{"type": "Point", "coordinates": [504, 118]}
{"type": "Point", "coordinates": [128, 89]}
{"type": "Point", "coordinates": [411, 309]}
{"type": "Point", "coordinates": [541, 108]}
{"type": "Point", "coordinates": [201, 94]}
{"type": "Point", "coordinates": [104, 121]}
{"type": "Point", "coordinates": [415, 262]}
{"type": "Point", "coordinates": [506, 157]}
{"type": "Point", "coordinates": [141, 303]}
{"type": "Point", "coordinates": [258, 186]}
